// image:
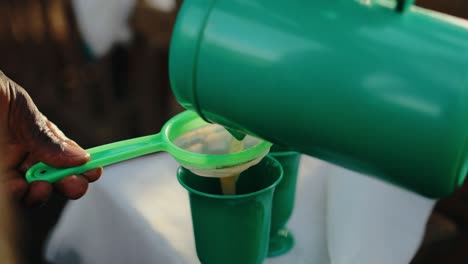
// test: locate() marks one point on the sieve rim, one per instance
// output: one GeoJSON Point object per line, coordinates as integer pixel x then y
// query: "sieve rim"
{"type": "Point", "coordinates": [188, 120]}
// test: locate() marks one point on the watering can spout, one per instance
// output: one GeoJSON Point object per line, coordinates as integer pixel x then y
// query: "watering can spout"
{"type": "Point", "coordinates": [236, 134]}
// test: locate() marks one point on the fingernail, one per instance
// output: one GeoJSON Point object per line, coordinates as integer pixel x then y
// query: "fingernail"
{"type": "Point", "coordinates": [94, 172]}
{"type": "Point", "coordinates": [74, 151]}
{"type": "Point", "coordinates": [93, 175]}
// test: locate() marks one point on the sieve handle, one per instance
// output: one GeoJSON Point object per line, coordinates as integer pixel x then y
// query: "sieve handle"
{"type": "Point", "coordinates": [100, 156]}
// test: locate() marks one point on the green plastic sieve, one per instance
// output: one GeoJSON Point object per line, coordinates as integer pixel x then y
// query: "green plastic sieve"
{"type": "Point", "coordinates": [197, 145]}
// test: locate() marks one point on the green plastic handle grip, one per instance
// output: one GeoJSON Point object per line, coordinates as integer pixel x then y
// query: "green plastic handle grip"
{"type": "Point", "coordinates": [100, 156]}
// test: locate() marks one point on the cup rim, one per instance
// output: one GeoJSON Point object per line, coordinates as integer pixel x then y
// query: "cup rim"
{"type": "Point", "coordinates": [237, 196]}
{"type": "Point", "coordinates": [283, 153]}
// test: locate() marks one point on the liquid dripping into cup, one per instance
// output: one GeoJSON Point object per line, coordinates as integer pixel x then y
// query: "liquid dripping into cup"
{"type": "Point", "coordinates": [228, 184]}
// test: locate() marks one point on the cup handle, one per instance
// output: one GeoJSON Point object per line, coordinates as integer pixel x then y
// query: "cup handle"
{"type": "Point", "coordinates": [100, 156]}
{"type": "Point", "coordinates": [403, 5]}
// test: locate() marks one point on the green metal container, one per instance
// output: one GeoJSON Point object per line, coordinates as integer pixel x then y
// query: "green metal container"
{"type": "Point", "coordinates": [374, 86]}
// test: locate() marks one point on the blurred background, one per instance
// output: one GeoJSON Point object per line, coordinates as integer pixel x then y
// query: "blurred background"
{"type": "Point", "coordinates": [99, 71]}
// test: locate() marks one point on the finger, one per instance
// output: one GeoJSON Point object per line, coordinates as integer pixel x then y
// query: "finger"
{"type": "Point", "coordinates": [55, 149]}
{"type": "Point", "coordinates": [72, 187]}
{"type": "Point", "coordinates": [28, 162]}
{"type": "Point", "coordinates": [15, 185]}
{"type": "Point", "coordinates": [59, 134]}
{"type": "Point", "coordinates": [66, 154]}
{"type": "Point", "coordinates": [43, 139]}
{"type": "Point", "coordinates": [38, 193]}
{"type": "Point", "coordinates": [12, 155]}
{"type": "Point", "coordinates": [93, 175]}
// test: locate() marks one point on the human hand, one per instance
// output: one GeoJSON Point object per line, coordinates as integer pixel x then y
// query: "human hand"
{"type": "Point", "coordinates": [28, 137]}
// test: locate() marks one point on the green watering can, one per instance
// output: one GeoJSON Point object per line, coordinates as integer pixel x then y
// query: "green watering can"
{"type": "Point", "coordinates": [379, 87]}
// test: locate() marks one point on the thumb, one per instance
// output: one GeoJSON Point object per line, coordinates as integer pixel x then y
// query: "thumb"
{"type": "Point", "coordinates": [52, 147]}
{"type": "Point", "coordinates": [41, 137]}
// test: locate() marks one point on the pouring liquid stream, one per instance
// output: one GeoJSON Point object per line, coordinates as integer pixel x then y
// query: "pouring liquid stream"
{"type": "Point", "coordinates": [228, 184]}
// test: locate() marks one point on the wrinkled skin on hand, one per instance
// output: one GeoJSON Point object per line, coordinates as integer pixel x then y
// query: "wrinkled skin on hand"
{"type": "Point", "coordinates": [27, 137]}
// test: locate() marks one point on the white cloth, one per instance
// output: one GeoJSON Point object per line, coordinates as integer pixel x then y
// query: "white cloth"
{"type": "Point", "coordinates": [370, 221]}
{"type": "Point", "coordinates": [104, 23]}
{"type": "Point", "coordinates": [138, 213]}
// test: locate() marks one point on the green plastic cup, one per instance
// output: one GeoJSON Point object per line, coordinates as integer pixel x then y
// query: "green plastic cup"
{"type": "Point", "coordinates": [281, 238]}
{"type": "Point", "coordinates": [233, 228]}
